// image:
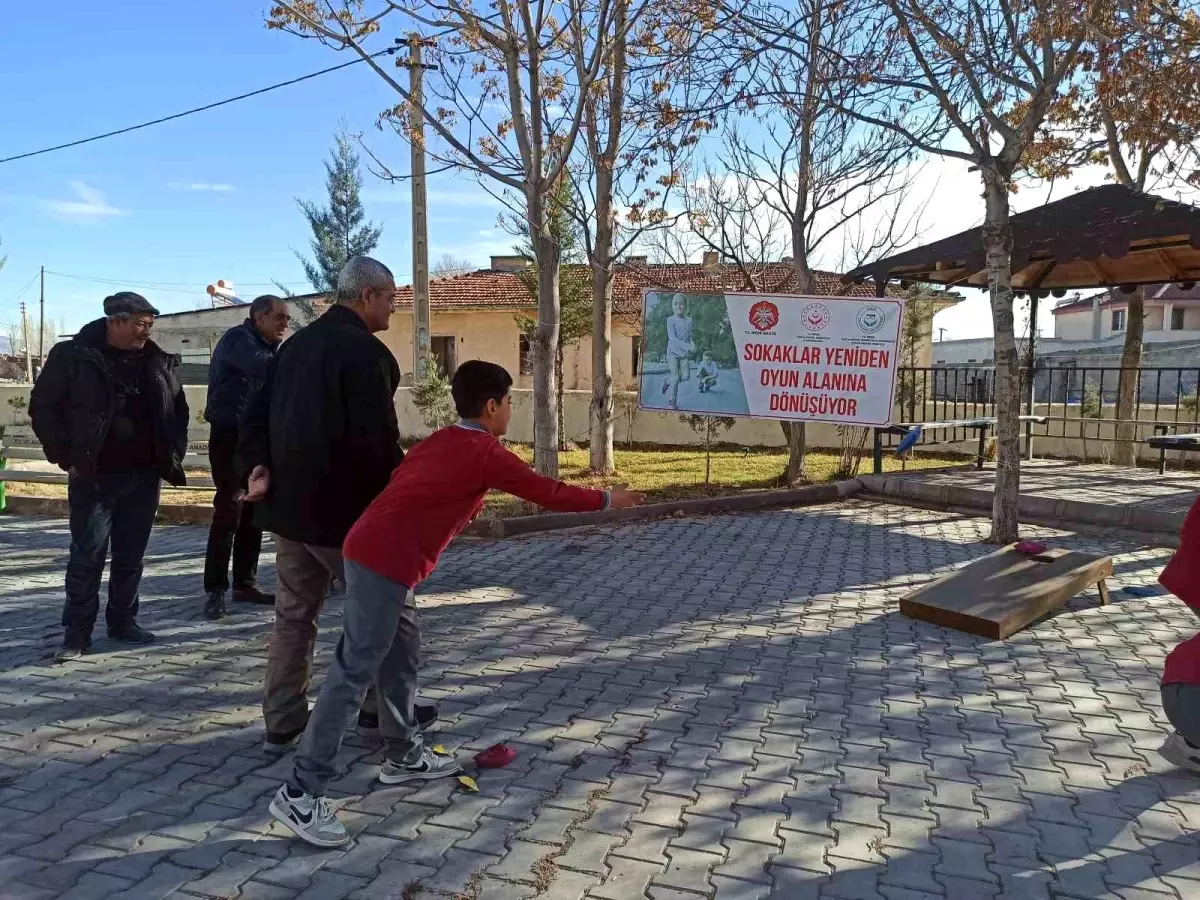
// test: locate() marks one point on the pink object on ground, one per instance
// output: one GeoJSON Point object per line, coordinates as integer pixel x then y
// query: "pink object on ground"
{"type": "Point", "coordinates": [496, 756]}
{"type": "Point", "coordinates": [1031, 548]}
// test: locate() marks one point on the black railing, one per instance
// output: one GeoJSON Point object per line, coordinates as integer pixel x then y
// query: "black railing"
{"type": "Point", "coordinates": [1079, 404]}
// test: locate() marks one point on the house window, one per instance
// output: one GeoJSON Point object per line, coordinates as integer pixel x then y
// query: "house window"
{"type": "Point", "coordinates": [637, 355]}
{"type": "Point", "coordinates": [445, 351]}
{"type": "Point", "coordinates": [1118, 320]}
{"type": "Point", "coordinates": [1177, 318]}
{"type": "Point", "coordinates": [524, 355]}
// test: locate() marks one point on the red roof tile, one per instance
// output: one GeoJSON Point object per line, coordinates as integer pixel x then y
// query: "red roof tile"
{"type": "Point", "coordinates": [506, 290]}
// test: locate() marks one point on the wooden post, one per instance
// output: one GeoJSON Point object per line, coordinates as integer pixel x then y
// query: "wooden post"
{"type": "Point", "coordinates": [1031, 370]}
{"type": "Point", "coordinates": [420, 221]}
{"type": "Point", "coordinates": [42, 322]}
{"type": "Point", "coordinates": [28, 355]}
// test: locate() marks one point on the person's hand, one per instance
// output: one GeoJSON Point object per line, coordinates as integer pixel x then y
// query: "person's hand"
{"type": "Point", "coordinates": [257, 484]}
{"type": "Point", "coordinates": [620, 497]}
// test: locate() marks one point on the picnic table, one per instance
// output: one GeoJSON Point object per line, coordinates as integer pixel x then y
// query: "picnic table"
{"type": "Point", "coordinates": [1164, 442]}
{"type": "Point", "coordinates": [911, 432]}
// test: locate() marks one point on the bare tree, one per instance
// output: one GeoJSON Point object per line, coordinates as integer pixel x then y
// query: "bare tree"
{"type": "Point", "coordinates": [507, 103]}
{"type": "Point", "coordinates": [449, 265]}
{"type": "Point", "coordinates": [723, 214]}
{"type": "Point", "coordinates": [627, 166]}
{"type": "Point", "coordinates": [978, 80]}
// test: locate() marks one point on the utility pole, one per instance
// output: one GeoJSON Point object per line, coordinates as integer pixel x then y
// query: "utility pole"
{"type": "Point", "coordinates": [25, 332]}
{"type": "Point", "coordinates": [420, 219]}
{"type": "Point", "coordinates": [42, 322]}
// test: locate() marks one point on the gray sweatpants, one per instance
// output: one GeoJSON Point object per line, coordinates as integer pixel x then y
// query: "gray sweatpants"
{"type": "Point", "coordinates": [1181, 703]}
{"type": "Point", "coordinates": [380, 644]}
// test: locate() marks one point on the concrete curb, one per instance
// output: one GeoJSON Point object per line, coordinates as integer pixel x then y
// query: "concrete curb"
{"type": "Point", "coordinates": [498, 528]}
{"type": "Point", "coordinates": [1038, 510]}
{"type": "Point", "coordinates": [21, 505]}
{"type": "Point", "coordinates": [805, 496]}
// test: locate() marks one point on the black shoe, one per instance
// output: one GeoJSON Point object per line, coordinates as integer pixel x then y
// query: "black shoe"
{"type": "Point", "coordinates": [280, 742]}
{"type": "Point", "coordinates": [252, 594]}
{"type": "Point", "coordinates": [74, 645]}
{"type": "Point", "coordinates": [214, 606]}
{"type": "Point", "coordinates": [425, 714]}
{"type": "Point", "coordinates": [133, 633]}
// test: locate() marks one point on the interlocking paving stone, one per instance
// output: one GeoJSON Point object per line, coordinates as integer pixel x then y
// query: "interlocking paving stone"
{"type": "Point", "coordinates": [724, 707]}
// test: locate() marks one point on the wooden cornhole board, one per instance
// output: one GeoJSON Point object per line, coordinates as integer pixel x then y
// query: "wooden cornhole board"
{"type": "Point", "coordinates": [1002, 593]}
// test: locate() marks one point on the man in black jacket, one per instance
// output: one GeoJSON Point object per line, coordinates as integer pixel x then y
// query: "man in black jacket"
{"type": "Point", "coordinates": [318, 442]}
{"type": "Point", "coordinates": [109, 409]}
{"type": "Point", "coordinates": [236, 372]}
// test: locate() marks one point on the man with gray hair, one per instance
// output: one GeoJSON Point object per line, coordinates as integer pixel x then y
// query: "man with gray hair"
{"type": "Point", "coordinates": [235, 373]}
{"type": "Point", "coordinates": [318, 442]}
{"type": "Point", "coordinates": [110, 411]}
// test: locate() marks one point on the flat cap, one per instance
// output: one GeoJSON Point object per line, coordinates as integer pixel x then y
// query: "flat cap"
{"type": "Point", "coordinates": [128, 302]}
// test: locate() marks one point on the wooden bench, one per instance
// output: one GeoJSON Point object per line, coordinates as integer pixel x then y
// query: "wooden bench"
{"type": "Point", "coordinates": [25, 447]}
{"type": "Point", "coordinates": [1000, 594]}
{"type": "Point", "coordinates": [1164, 442]}
{"type": "Point", "coordinates": [915, 429]}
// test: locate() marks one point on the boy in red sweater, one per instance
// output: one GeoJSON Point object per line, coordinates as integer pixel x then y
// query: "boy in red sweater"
{"type": "Point", "coordinates": [392, 548]}
{"type": "Point", "coordinates": [1181, 674]}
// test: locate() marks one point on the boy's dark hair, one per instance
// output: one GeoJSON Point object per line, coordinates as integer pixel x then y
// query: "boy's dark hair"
{"type": "Point", "coordinates": [476, 382]}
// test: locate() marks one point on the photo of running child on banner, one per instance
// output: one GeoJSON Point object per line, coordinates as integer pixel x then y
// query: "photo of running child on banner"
{"type": "Point", "coordinates": [816, 359]}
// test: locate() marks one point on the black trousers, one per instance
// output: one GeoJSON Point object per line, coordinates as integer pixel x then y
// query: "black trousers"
{"type": "Point", "coordinates": [114, 510]}
{"type": "Point", "coordinates": [232, 528]}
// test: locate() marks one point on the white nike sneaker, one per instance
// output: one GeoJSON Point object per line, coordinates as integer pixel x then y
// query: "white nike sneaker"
{"type": "Point", "coordinates": [427, 766]}
{"type": "Point", "coordinates": [1177, 751]}
{"type": "Point", "coordinates": [310, 818]}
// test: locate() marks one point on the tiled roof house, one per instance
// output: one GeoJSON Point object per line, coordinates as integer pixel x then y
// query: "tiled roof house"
{"type": "Point", "coordinates": [473, 314]}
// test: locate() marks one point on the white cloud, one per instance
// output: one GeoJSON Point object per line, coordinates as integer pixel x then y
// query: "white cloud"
{"type": "Point", "coordinates": [219, 188]}
{"type": "Point", "coordinates": [90, 207]}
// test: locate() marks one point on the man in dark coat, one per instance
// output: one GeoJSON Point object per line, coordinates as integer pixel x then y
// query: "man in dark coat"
{"type": "Point", "coordinates": [109, 409]}
{"type": "Point", "coordinates": [236, 372]}
{"type": "Point", "coordinates": [318, 442]}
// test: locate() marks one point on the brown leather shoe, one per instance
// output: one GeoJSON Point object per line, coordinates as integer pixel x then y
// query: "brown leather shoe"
{"type": "Point", "coordinates": [253, 594]}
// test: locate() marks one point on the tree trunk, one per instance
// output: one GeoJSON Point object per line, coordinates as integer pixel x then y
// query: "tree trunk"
{"type": "Point", "coordinates": [600, 452]}
{"type": "Point", "coordinates": [558, 380]}
{"type": "Point", "coordinates": [707, 452]}
{"type": "Point", "coordinates": [796, 433]}
{"type": "Point", "coordinates": [1131, 361]}
{"type": "Point", "coordinates": [545, 345]}
{"type": "Point", "coordinates": [997, 248]}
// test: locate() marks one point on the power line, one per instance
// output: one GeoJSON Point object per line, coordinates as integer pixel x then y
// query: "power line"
{"type": "Point", "coordinates": [198, 109]}
{"type": "Point", "coordinates": [24, 289]}
{"type": "Point", "coordinates": [164, 285]}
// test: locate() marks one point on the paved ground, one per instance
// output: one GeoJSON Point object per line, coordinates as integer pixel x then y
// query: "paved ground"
{"type": "Point", "coordinates": [1173, 492]}
{"type": "Point", "coordinates": [727, 707]}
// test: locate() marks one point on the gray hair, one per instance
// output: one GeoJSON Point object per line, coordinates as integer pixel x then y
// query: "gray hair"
{"type": "Point", "coordinates": [362, 273]}
{"type": "Point", "coordinates": [262, 305]}
{"type": "Point", "coordinates": [120, 317]}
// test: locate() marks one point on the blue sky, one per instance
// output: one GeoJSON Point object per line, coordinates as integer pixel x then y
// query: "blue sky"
{"type": "Point", "coordinates": [175, 207]}
{"type": "Point", "coordinates": [206, 197]}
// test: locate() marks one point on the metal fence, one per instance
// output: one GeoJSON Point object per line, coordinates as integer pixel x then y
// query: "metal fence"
{"type": "Point", "coordinates": [1079, 404]}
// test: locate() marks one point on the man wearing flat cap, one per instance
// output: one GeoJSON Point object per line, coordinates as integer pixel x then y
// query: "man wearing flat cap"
{"type": "Point", "coordinates": [109, 410]}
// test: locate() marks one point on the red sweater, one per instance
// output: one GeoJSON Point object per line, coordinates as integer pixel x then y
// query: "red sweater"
{"type": "Point", "coordinates": [1182, 575]}
{"type": "Point", "coordinates": [1183, 663]}
{"type": "Point", "coordinates": [437, 491]}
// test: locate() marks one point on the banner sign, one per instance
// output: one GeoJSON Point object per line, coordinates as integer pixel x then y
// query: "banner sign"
{"type": "Point", "coordinates": [804, 359]}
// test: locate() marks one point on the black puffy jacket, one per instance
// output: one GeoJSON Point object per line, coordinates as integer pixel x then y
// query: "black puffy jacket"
{"type": "Point", "coordinates": [235, 374]}
{"type": "Point", "coordinates": [72, 403]}
{"type": "Point", "coordinates": [324, 423]}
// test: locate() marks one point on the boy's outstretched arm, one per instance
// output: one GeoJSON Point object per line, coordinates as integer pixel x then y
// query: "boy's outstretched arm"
{"type": "Point", "coordinates": [505, 471]}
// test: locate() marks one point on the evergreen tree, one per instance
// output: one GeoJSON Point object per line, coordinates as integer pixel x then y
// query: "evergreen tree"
{"type": "Point", "coordinates": [339, 230]}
